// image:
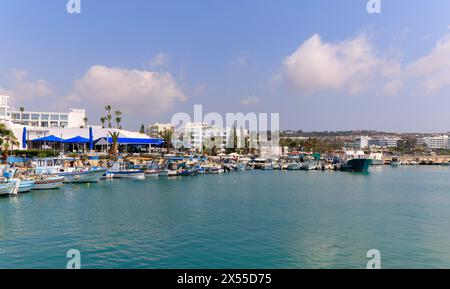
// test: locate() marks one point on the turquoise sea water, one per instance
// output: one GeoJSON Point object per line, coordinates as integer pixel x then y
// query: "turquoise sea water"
{"type": "Point", "coordinates": [251, 219]}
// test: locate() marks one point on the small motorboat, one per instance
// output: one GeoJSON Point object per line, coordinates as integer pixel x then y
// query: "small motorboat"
{"type": "Point", "coordinates": [126, 170]}
{"type": "Point", "coordinates": [26, 186]}
{"type": "Point", "coordinates": [82, 175]}
{"type": "Point", "coordinates": [152, 173]}
{"type": "Point", "coordinates": [48, 182]}
{"type": "Point", "coordinates": [9, 188]}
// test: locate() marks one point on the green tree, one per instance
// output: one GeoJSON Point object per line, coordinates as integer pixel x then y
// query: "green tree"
{"type": "Point", "coordinates": [166, 135]}
{"type": "Point", "coordinates": [118, 118]}
{"type": "Point", "coordinates": [108, 114]}
{"type": "Point", "coordinates": [115, 145]}
{"type": "Point", "coordinates": [142, 130]}
{"type": "Point", "coordinates": [7, 141]}
{"type": "Point", "coordinates": [103, 121]}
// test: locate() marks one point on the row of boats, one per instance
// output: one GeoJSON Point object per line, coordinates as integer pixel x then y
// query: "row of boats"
{"type": "Point", "coordinates": [53, 173]}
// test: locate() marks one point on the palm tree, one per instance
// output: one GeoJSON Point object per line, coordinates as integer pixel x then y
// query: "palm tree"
{"type": "Point", "coordinates": [115, 144]}
{"type": "Point", "coordinates": [108, 114]}
{"type": "Point", "coordinates": [85, 121]}
{"type": "Point", "coordinates": [118, 120]}
{"type": "Point", "coordinates": [166, 135]}
{"type": "Point", "coordinates": [22, 109]}
{"type": "Point", "coordinates": [118, 117]}
{"type": "Point", "coordinates": [7, 140]}
{"type": "Point", "coordinates": [103, 120]}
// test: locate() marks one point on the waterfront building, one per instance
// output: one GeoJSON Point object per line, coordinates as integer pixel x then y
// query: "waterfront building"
{"type": "Point", "coordinates": [434, 142]}
{"type": "Point", "coordinates": [28, 126]}
{"type": "Point", "coordinates": [72, 119]}
{"type": "Point", "coordinates": [362, 141]}
{"type": "Point", "coordinates": [155, 129]}
{"type": "Point", "coordinates": [383, 142]}
{"type": "Point", "coordinates": [194, 135]}
{"type": "Point", "coordinates": [392, 142]}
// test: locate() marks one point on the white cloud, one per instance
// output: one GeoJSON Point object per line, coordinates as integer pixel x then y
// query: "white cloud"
{"type": "Point", "coordinates": [160, 60]}
{"type": "Point", "coordinates": [350, 65]}
{"type": "Point", "coordinates": [127, 90]}
{"type": "Point", "coordinates": [433, 70]}
{"type": "Point", "coordinates": [250, 100]}
{"type": "Point", "coordinates": [25, 88]}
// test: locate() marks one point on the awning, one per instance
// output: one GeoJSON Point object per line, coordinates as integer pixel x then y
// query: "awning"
{"type": "Point", "coordinates": [101, 141]}
{"type": "Point", "coordinates": [77, 139]}
{"type": "Point", "coordinates": [50, 138]}
{"type": "Point", "coordinates": [138, 141]}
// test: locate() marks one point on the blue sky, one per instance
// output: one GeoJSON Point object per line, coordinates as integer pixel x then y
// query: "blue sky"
{"type": "Point", "coordinates": [231, 56]}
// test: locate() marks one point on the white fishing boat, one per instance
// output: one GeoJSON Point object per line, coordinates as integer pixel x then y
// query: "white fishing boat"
{"type": "Point", "coordinates": [293, 166]}
{"type": "Point", "coordinates": [55, 166]}
{"type": "Point", "coordinates": [240, 167]}
{"type": "Point", "coordinates": [263, 164]}
{"type": "Point", "coordinates": [163, 174]}
{"type": "Point", "coordinates": [377, 158]}
{"type": "Point", "coordinates": [9, 188]}
{"type": "Point", "coordinates": [26, 186]}
{"type": "Point", "coordinates": [151, 173]}
{"type": "Point", "coordinates": [268, 166]}
{"type": "Point", "coordinates": [82, 175]}
{"type": "Point", "coordinates": [172, 173]}
{"type": "Point", "coordinates": [126, 170]}
{"type": "Point", "coordinates": [46, 182]}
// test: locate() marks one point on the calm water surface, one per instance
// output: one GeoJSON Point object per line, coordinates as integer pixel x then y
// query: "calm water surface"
{"type": "Point", "coordinates": [252, 219]}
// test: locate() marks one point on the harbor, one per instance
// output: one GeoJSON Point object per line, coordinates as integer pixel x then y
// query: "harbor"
{"type": "Point", "coordinates": [53, 173]}
{"type": "Point", "coordinates": [224, 142]}
{"type": "Point", "coordinates": [242, 219]}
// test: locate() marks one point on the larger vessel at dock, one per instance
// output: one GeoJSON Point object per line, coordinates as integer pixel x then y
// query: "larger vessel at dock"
{"type": "Point", "coordinates": [356, 162]}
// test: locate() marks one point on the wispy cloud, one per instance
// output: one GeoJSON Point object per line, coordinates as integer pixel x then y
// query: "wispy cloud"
{"type": "Point", "coordinates": [24, 87]}
{"type": "Point", "coordinates": [433, 70]}
{"type": "Point", "coordinates": [160, 60]}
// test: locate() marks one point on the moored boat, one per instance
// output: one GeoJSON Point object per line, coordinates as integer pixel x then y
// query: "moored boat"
{"type": "Point", "coordinates": [88, 175]}
{"type": "Point", "coordinates": [125, 170]}
{"type": "Point", "coordinates": [8, 188]}
{"type": "Point", "coordinates": [293, 166]}
{"type": "Point", "coordinates": [377, 158]}
{"type": "Point", "coordinates": [26, 186]}
{"type": "Point", "coordinates": [48, 183]}
{"type": "Point", "coordinates": [356, 162]}
{"type": "Point", "coordinates": [151, 173]}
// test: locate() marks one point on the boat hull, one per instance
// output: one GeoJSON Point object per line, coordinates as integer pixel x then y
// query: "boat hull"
{"type": "Point", "coordinates": [83, 177]}
{"type": "Point", "coordinates": [151, 174]}
{"type": "Point", "coordinates": [49, 184]}
{"type": "Point", "coordinates": [137, 175]}
{"type": "Point", "coordinates": [6, 189]}
{"type": "Point", "coordinates": [356, 165]}
{"type": "Point", "coordinates": [377, 162]}
{"type": "Point", "coordinates": [26, 186]}
{"type": "Point", "coordinates": [293, 167]}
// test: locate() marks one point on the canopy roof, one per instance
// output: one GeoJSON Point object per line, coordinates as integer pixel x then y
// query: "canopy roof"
{"type": "Point", "coordinates": [50, 138]}
{"type": "Point", "coordinates": [138, 141]}
{"type": "Point", "coordinates": [77, 139]}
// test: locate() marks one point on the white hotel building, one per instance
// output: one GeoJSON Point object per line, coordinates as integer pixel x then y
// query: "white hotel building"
{"type": "Point", "coordinates": [435, 142]}
{"type": "Point", "coordinates": [72, 119]}
{"type": "Point", "coordinates": [63, 125]}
